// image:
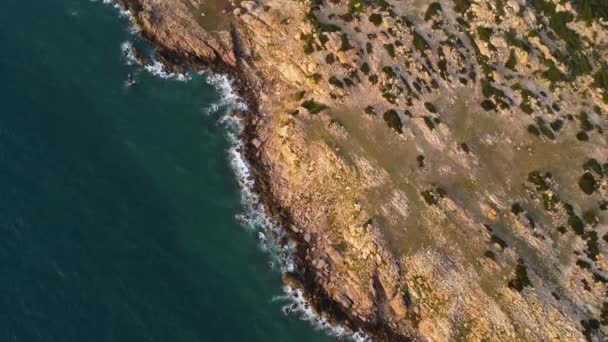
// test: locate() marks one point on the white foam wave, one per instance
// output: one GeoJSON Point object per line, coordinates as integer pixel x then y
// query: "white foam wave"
{"type": "Point", "coordinates": [228, 95]}
{"type": "Point", "coordinates": [125, 47]}
{"type": "Point", "coordinates": [156, 68]}
{"type": "Point", "coordinates": [271, 236]}
{"type": "Point", "coordinates": [297, 304]}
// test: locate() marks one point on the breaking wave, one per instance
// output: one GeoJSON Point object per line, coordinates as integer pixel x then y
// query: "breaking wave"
{"type": "Point", "coordinates": [155, 68]}
{"type": "Point", "coordinates": [271, 236]}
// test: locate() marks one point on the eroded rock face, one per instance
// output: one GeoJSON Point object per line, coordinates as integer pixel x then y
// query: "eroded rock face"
{"type": "Point", "coordinates": [172, 27]}
{"type": "Point", "coordinates": [433, 160]}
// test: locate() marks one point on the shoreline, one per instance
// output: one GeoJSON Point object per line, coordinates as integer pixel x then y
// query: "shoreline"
{"type": "Point", "coordinates": [303, 279]}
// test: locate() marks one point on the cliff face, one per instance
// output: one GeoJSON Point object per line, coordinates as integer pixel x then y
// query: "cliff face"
{"type": "Point", "coordinates": [442, 165]}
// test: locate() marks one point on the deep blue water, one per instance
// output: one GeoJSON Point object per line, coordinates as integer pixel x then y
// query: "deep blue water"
{"type": "Point", "coordinates": [117, 205]}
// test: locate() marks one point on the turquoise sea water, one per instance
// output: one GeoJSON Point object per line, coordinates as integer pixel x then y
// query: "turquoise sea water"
{"type": "Point", "coordinates": [117, 204]}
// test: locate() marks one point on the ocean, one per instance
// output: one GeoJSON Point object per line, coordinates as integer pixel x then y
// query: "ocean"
{"type": "Point", "coordinates": [119, 205]}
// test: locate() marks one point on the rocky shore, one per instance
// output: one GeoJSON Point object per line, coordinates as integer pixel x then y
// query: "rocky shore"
{"type": "Point", "coordinates": [421, 154]}
{"type": "Point", "coordinates": [181, 45]}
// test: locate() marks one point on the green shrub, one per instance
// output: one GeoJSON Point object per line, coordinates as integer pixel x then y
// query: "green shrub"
{"type": "Point", "coordinates": [593, 165]}
{"type": "Point", "coordinates": [370, 110]}
{"type": "Point", "coordinates": [419, 42]}
{"type": "Point", "coordinates": [540, 180]}
{"type": "Point", "coordinates": [488, 105]}
{"type": "Point", "coordinates": [430, 107]}
{"type": "Point", "coordinates": [333, 80]}
{"type": "Point", "coordinates": [389, 72]}
{"type": "Point", "coordinates": [557, 125]}
{"type": "Point", "coordinates": [533, 130]}
{"type": "Point", "coordinates": [316, 77]}
{"type": "Point", "coordinates": [484, 33]}
{"type": "Point", "coordinates": [587, 183]}
{"type": "Point", "coordinates": [313, 107]}
{"type": "Point", "coordinates": [393, 121]}
{"type": "Point", "coordinates": [552, 73]}
{"type": "Point", "coordinates": [375, 19]}
{"type": "Point", "coordinates": [345, 44]}
{"type": "Point", "coordinates": [516, 208]}
{"type": "Point", "coordinates": [512, 61]}
{"type": "Point", "coordinates": [308, 44]}
{"type": "Point", "coordinates": [582, 136]}
{"type": "Point", "coordinates": [429, 197]}
{"type": "Point", "coordinates": [432, 11]}
{"type": "Point", "coordinates": [429, 123]}
{"type": "Point", "coordinates": [576, 224]}
{"type": "Point", "coordinates": [521, 279]}
{"type": "Point", "coordinates": [390, 49]}
{"type": "Point", "coordinates": [365, 68]}
{"type": "Point", "coordinates": [461, 6]}
{"type": "Point", "coordinates": [585, 124]}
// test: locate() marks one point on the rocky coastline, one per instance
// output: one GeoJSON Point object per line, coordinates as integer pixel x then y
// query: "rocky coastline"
{"type": "Point", "coordinates": [227, 62]}
{"type": "Point", "coordinates": [355, 128]}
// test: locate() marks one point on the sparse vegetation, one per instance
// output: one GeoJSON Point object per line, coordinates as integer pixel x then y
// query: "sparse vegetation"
{"type": "Point", "coordinates": [521, 279]}
{"type": "Point", "coordinates": [313, 107]}
{"type": "Point", "coordinates": [432, 11]}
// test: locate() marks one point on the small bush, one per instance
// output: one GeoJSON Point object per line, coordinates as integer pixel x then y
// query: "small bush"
{"type": "Point", "coordinates": [419, 42]}
{"type": "Point", "coordinates": [336, 82]}
{"type": "Point", "coordinates": [521, 279]}
{"type": "Point", "coordinates": [345, 43]}
{"type": "Point", "coordinates": [489, 255]}
{"type": "Point", "coordinates": [593, 165]}
{"type": "Point", "coordinates": [430, 107]}
{"type": "Point", "coordinates": [533, 130]}
{"type": "Point", "coordinates": [393, 120]}
{"type": "Point", "coordinates": [557, 125]}
{"type": "Point", "coordinates": [512, 61]}
{"type": "Point", "coordinates": [365, 68]}
{"type": "Point", "coordinates": [432, 11]}
{"type": "Point", "coordinates": [582, 136]}
{"type": "Point", "coordinates": [576, 224]}
{"type": "Point", "coordinates": [313, 107]}
{"type": "Point", "coordinates": [375, 19]}
{"type": "Point", "coordinates": [308, 44]}
{"type": "Point", "coordinates": [517, 209]}
{"type": "Point", "coordinates": [429, 123]}
{"type": "Point", "coordinates": [389, 72]}
{"type": "Point", "coordinates": [587, 183]}
{"type": "Point", "coordinates": [390, 49]}
{"type": "Point", "coordinates": [488, 105]}
{"type": "Point", "coordinates": [461, 6]}
{"type": "Point", "coordinates": [370, 110]}
{"type": "Point", "coordinates": [484, 33]}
